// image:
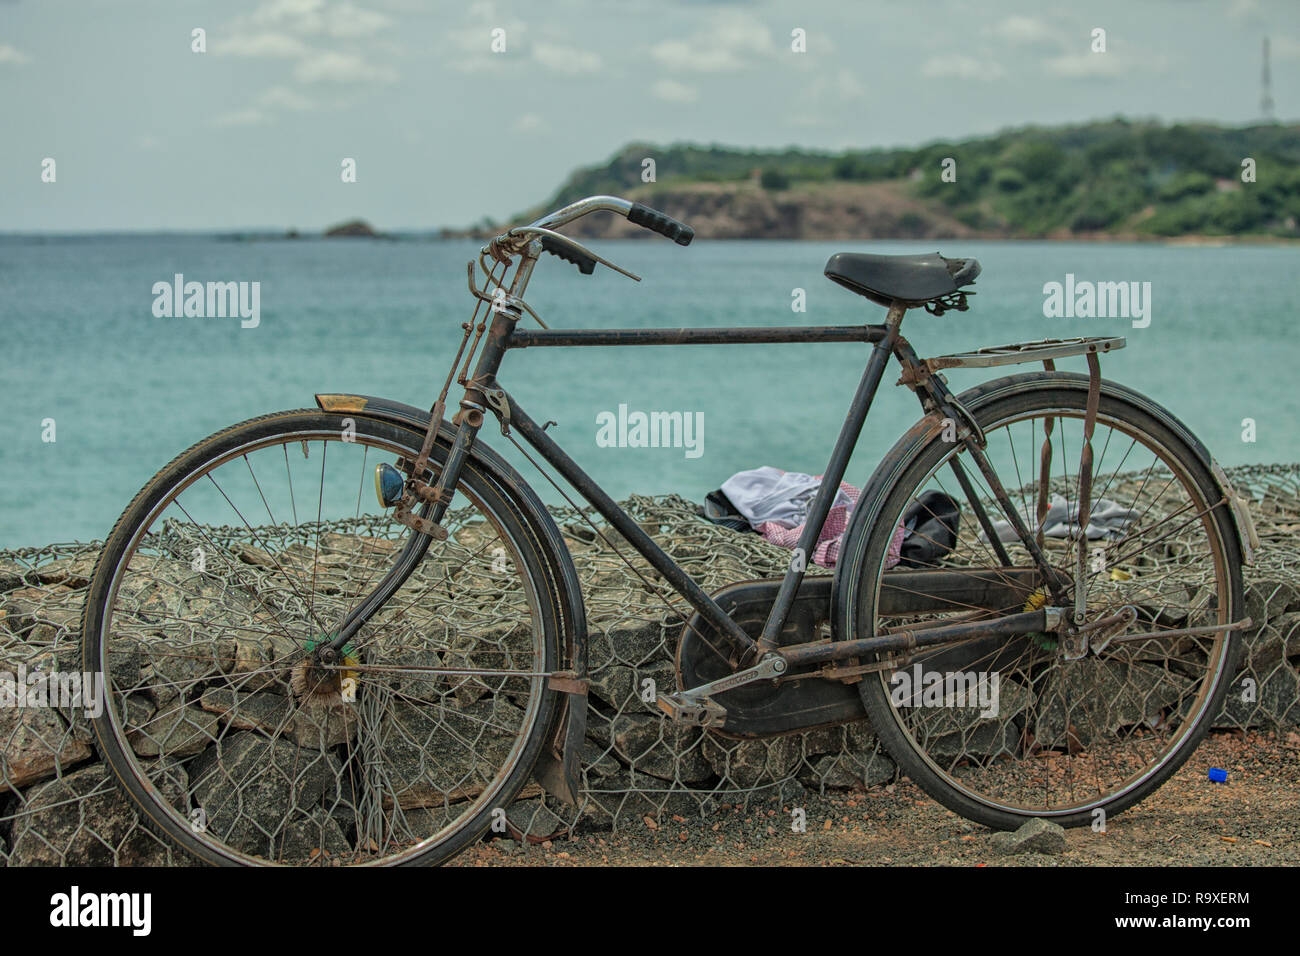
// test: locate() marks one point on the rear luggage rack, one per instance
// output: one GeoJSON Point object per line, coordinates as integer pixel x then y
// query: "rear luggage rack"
{"type": "Point", "coordinates": [1043, 350]}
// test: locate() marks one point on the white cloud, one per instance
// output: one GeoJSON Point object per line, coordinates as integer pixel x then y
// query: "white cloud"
{"type": "Point", "coordinates": [318, 18]}
{"type": "Point", "coordinates": [732, 41]}
{"type": "Point", "coordinates": [282, 97]}
{"type": "Point", "coordinates": [469, 48]}
{"type": "Point", "coordinates": [1024, 31]}
{"type": "Point", "coordinates": [12, 55]}
{"type": "Point", "coordinates": [564, 59]}
{"type": "Point", "coordinates": [248, 117]}
{"type": "Point", "coordinates": [530, 123]}
{"type": "Point", "coordinates": [1243, 8]}
{"type": "Point", "coordinates": [961, 67]}
{"type": "Point", "coordinates": [1083, 65]}
{"type": "Point", "coordinates": [265, 44]}
{"type": "Point", "coordinates": [1284, 47]}
{"type": "Point", "coordinates": [332, 67]}
{"type": "Point", "coordinates": [675, 92]}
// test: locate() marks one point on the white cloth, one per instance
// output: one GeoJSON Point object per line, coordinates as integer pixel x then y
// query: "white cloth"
{"type": "Point", "coordinates": [1106, 520]}
{"type": "Point", "coordinates": [769, 494]}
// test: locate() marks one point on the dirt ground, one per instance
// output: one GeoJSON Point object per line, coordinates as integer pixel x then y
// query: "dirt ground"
{"type": "Point", "coordinates": [1252, 820]}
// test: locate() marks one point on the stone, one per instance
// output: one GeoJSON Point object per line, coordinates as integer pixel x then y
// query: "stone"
{"type": "Point", "coordinates": [314, 838]}
{"type": "Point", "coordinates": [1276, 700]}
{"type": "Point", "coordinates": [844, 771]}
{"type": "Point", "coordinates": [84, 819]}
{"type": "Point", "coordinates": [175, 731]}
{"type": "Point", "coordinates": [598, 761]}
{"type": "Point", "coordinates": [533, 817]}
{"type": "Point", "coordinates": [171, 668]}
{"type": "Point", "coordinates": [12, 576]}
{"type": "Point", "coordinates": [749, 763]}
{"type": "Point", "coordinates": [660, 748]}
{"type": "Point", "coordinates": [265, 712]}
{"type": "Point", "coordinates": [1097, 698]}
{"type": "Point", "coordinates": [1034, 836]}
{"type": "Point", "coordinates": [322, 723]}
{"type": "Point", "coordinates": [254, 790]}
{"type": "Point", "coordinates": [56, 607]}
{"type": "Point", "coordinates": [436, 754]}
{"type": "Point", "coordinates": [35, 742]}
{"type": "Point", "coordinates": [73, 572]}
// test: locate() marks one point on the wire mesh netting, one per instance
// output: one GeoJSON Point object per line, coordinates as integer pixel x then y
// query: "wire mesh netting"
{"type": "Point", "coordinates": [59, 803]}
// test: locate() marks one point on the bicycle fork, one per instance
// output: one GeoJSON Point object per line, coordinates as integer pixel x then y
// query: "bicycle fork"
{"type": "Point", "coordinates": [423, 506]}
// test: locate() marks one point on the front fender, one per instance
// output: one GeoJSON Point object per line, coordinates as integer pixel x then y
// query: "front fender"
{"type": "Point", "coordinates": [558, 767]}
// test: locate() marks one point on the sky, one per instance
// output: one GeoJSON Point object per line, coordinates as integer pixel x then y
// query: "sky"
{"type": "Point", "coordinates": [147, 133]}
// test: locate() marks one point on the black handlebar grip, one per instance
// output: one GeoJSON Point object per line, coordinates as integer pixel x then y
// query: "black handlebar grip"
{"type": "Point", "coordinates": [557, 247]}
{"type": "Point", "coordinates": [678, 232]}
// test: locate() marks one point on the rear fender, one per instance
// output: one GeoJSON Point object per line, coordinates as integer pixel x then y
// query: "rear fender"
{"type": "Point", "coordinates": [559, 766]}
{"type": "Point", "coordinates": [848, 570]}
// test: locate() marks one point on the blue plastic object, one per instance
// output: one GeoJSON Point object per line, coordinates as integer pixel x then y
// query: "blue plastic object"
{"type": "Point", "coordinates": [1218, 776]}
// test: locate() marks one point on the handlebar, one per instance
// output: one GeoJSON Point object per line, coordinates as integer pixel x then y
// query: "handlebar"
{"type": "Point", "coordinates": [678, 232]}
{"type": "Point", "coordinates": [571, 251]}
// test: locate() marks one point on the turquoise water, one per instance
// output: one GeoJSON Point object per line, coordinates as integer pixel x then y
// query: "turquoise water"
{"type": "Point", "coordinates": [127, 391]}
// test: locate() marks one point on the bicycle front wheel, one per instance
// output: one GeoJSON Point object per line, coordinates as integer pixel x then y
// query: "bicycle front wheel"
{"type": "Point", "coordinates": [232, 566]}
{"type": "Point", "coordinates": [1004, 729]}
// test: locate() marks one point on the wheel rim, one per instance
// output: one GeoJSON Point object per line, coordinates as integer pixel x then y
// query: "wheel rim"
{"type": "Point", "coordinates": [1069, 736]}
{"type": "Point", "coordinates": [266, 758]}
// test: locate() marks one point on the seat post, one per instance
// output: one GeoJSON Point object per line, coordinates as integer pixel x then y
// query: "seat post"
{"type": "Point", "coordinates": [894, 318]}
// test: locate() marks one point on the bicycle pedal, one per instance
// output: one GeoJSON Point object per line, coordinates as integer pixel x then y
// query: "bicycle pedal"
{"type": "Point", "coordinates": [694, 712]}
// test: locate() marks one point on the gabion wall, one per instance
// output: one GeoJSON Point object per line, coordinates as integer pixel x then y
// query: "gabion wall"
{"type": "Point", "coordinates": [59, 804]}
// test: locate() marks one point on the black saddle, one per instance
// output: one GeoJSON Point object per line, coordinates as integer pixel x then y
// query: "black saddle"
{"type": "Point", "coordinates": [913, 280]}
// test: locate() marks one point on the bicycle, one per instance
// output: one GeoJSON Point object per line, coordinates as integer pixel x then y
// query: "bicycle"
{"type": "Point", "coordinates": [333, 686]}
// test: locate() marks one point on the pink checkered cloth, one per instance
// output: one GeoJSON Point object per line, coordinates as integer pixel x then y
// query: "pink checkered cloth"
{"type": "Point", "coordinates": [827, 550]}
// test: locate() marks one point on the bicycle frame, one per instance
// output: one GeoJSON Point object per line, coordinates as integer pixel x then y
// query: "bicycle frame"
{"type": "Point", "coordinates": [483, 393]}
{"type": "Point", "coordinates": [882, 339]}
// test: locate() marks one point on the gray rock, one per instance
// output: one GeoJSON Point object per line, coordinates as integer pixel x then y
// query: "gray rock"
{"type": "Point", "coordinates": [11, 576]}
{"type": "Point", "coordinates": [434, 754]}
{"type": "Point", "coordinates": [254, 790]}
{"type": "Point", "coordinates": [1097, 698]}
{"type": "Point", "coordinates": [73, 572]}
{"type": "Point", "coordinates": [849, 771]}
{"type": "Point", "coordinates": [1276, 700]}
{"type": "Point", "coordinates": [634, 638]}
{"type": "Point", "coordinates": [534, 817]}
{"type": "Point", "coordinates": [598, 761]}
{"type": "Point", "coordinates": [626, 798]}
{"type": "Point", "coordinates": [321, 723]}
{"type": "Point", "coordinates": [35, 743]}
{"type": "Point", "coordinates": [53, 609]}
{"type": "Point", "coordinates": [265, 712]}
{"type": "Point", "coordinates": [749, 763]}
{"type": "Point", "coordinates": [1034, 836]}
{"type": "Point", "coordinates": [173, 668]}
{"type": "Point", "coordinates": [660, 748]}
{"type": "Point", "coordinates": [83, 819]}
{"type": "Point", "coordinates": [175, 731]}
{"type": "Point", "coordinates": [314, 838]}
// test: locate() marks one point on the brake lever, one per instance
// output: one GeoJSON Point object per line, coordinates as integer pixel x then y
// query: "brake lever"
{"type": "Point", "coordinates": [559, 237]}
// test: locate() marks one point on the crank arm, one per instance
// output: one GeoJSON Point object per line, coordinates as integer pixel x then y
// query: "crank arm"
{"type": "Point", "coordinates": [695, 707]}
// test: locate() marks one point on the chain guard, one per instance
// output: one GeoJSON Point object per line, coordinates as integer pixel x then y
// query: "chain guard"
{"type": "Point", "coordinates": [764, 709]}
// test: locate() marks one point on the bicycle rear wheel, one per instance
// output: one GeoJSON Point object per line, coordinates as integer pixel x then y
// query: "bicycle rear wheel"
{"type": "Point", "coordinates": [224, 574]}
{"type": "Point", "coordinates": [1004, 729]}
